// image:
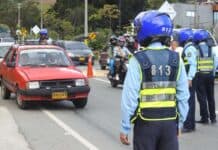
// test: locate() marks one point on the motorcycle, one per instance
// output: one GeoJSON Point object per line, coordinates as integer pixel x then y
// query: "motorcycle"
{"type": "Point", "coordinates": [120, 70]}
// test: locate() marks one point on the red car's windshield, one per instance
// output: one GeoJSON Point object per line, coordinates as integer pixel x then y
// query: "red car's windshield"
{"type": "Point", "coordinates": [43, 57]}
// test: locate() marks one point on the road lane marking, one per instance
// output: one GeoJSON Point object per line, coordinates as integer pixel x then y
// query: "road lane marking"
{"type": "Point", "coordinates": [102, 80]}
{"type": "Point", "coordinates": [70, 131]}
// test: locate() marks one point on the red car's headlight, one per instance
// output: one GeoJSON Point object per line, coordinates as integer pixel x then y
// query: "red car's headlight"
{"type": "Point", "coordinates": [80, 82]}
{"type": "Point", "coordinates": [33, 85]}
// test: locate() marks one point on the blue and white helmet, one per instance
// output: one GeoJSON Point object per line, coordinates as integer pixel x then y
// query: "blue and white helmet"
{"type": "Point", "coordinates": [43, 31]}
{"type": "Point", "coordinates": [185, 35]}
{"type": "Point", "coordinates": [152, 23]}
{"type": "Point", "coordinates": [200, 35]}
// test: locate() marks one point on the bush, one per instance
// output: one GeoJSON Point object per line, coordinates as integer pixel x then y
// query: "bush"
{"type": "Point", "coordinates": [100, 41]}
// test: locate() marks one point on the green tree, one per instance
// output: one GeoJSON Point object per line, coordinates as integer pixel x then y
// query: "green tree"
{"type": "Point", "coordinates": [29, 13]}
{"type": "Point", "coordinates": [62, 29]}
{"type": "Point", "coordinates": [101, 39]}
{"type": "Point", "coordinates": [105, 17]}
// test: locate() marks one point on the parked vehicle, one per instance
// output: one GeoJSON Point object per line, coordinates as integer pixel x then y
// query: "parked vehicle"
{"type": "Point", "coordinates": [4, 47]}
{"type": "Point", "coordinates": [77, 51]}
{"type": "Point", "coordinates": [42, 73]}
{"type": "Point", "coordinates": [7, 39]}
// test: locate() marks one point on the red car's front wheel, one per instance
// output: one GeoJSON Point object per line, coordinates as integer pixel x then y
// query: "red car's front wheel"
{"type": "Point", "coordinates": [80, 103]}
{"type": "Point", "coordinates": [21, 103]}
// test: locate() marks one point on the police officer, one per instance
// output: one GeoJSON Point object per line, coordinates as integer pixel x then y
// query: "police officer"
{"type": "Point", "coordinates": [205, 77]}
{"type": "Point", "coordinates": [43, 36]}
{"type": "Point", "coordinates": [189, 53]}
{"type": "Point", "coordinates": [155, 87]}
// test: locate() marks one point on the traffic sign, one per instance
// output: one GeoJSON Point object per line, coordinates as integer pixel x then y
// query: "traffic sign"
{"type": "Point", "coordinates": [23, 32]}
{"type": "Point", "coordinates": [35, 29]}
{"type": "Point", "coordinates": [167, 8]}
{"type": "Point", "coordinates": [92, 35]}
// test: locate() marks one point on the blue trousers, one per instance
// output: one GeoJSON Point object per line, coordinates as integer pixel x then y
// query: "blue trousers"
{"type": "Point", "coordinates": [156, 135]}
{"type": "Point", "coordinates": [111, 66]}
{"type": "Point", "coordinates": [205, 95]}
{"type": "Point", "coordinates": [190, 120]}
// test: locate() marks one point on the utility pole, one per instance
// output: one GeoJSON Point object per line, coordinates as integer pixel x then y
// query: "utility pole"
{"type": "Point", "coordinates": [41, 15]}
{"type": "Point", "coordinates": [86, 19]}
{"type": "Point", "coordinates": [18, 17]}
{"type": "Point", "coordinates": [120, 7]}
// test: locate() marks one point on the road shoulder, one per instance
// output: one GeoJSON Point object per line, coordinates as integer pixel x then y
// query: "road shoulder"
{"type": "Point", "coordinates": [10, 138]}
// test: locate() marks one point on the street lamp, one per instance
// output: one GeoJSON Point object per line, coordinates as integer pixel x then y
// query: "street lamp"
{"type": "Point", "coordinates": [18, 20]}
{"type": "Point", "coordinates": [120, 17]}
{"type": "Point", "coordinates": [41, 15]}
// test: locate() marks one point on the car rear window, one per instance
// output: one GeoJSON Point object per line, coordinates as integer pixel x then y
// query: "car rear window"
{"type": "Point", "coordinates": [76, 46]}
{"type": "Point", "coordinates": [43, 57]}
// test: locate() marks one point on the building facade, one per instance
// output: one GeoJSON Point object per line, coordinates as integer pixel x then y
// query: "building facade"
{"type": "Point", "coordinates": [198, 15]}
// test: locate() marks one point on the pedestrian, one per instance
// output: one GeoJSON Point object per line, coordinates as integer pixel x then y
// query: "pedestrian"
{"type": "Point", "coordinates": [174, 45]}
{"type": "Point", "coordinates": [43, 37]}
{"type": "Point", "coordinates": [205, 77]}
{"type": "Point", "coordinates": [189, 53]}
{"type": "Point", "coordinates": [155, 87]}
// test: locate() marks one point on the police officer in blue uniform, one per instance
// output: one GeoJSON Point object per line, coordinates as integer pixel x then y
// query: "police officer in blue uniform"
{"type": "Point", "coordinates": [189, 54]}
{"type": "Point", "coordinates": [205, 77]}
{"type": "Point", "coordinates": [155, 90]}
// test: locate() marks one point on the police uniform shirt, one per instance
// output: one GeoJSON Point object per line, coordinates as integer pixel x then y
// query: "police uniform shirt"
{"type": "Point", "coordinates": [131, 88]}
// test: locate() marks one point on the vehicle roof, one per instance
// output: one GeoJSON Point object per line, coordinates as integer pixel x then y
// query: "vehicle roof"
{"type": "Point", "coordinates": [6, 43]}
{"type": "Point", "coordinates": [68, 41]}
{"type": "Point", "coordinates": [37, 47]}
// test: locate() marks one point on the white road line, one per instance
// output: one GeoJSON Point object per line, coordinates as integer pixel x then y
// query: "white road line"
{"type": "Point", "coordinates": [70, 131]}
{"type": "Point", "coordinates": [102, 80]}
{"type": "Point", "coordinates": [217, 112]}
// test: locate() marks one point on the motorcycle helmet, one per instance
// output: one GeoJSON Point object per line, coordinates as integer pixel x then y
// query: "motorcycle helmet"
{"type": "Point", "coordinates": [152, 25]}
{"type": "Point", "coordinates": [200, 35]}
{"type": "Point", "coordinates": [121, 41]}
{"type": "Point", "coordinates": [185, 35]}
{"type": "Point", "coordinates": [43, 32]}
{"type": "Point", "coordinates": [113, 40]}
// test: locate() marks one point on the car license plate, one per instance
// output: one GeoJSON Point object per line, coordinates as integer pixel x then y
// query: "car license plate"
{"type": "Point", "coordinates": [59, 95]}
{"type": "Point", "coordinates": [82, 59]}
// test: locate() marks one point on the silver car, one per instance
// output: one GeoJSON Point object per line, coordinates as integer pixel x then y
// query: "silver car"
{"type": "Point", "coordinates": [4, 47]}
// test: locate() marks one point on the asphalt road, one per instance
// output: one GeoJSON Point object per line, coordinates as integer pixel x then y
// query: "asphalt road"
{"type": "Point", "coordinates": [60, 126]}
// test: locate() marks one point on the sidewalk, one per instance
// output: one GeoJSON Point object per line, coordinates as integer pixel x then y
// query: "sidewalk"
{"type": "Point", "coordinates": [10, 138]}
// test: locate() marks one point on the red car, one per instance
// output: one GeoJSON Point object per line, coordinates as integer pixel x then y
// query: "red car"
{"type": "Point", "coordinates": [42, 73]}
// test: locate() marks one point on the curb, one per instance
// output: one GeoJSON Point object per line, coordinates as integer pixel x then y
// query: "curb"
{"type": "Point", "coordinates": [97, 73]}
